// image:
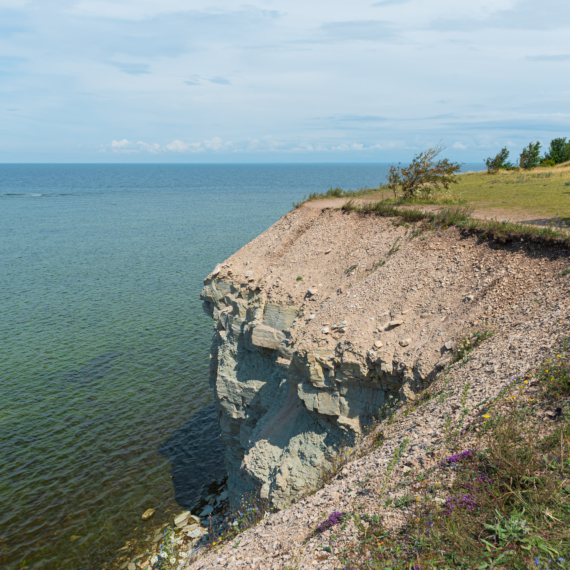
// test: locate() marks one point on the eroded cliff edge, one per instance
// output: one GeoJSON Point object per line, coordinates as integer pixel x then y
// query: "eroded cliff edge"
{"type": "Point", "coordinates": [325, 316]}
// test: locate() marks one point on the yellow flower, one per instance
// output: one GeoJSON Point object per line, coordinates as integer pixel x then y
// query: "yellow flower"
{"type": "Point", "coordinates": [559, 356]}
{"type": "Point", "coordinates": [526, 381]}
{"type": "Point", "coordinates": [486, 416]}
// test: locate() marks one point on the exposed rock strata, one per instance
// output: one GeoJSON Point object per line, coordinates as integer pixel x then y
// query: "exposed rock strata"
{"type": "Point", "coordinates": [299, 365]}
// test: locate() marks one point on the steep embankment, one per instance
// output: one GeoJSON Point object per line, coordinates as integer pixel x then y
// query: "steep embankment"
{"type": "Point", "coordinates": [325, 316]}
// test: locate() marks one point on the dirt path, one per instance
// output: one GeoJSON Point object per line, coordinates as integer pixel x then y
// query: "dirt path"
{"type": "Point", "coordinates": [518, 215]}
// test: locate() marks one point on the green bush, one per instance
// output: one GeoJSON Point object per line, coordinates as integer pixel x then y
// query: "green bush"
{"type": "Point", "coordinates": [547, 161]}
{"type": "Point", "coordinates": [498, 162]}
{"type": "Point", "coordinates": [530, 156]}
{"type": "Point", "coordinates": [424, 174]}
{"type": "Point", "coordinates": [559, 151]}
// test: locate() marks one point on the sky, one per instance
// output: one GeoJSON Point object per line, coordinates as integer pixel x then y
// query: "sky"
{"type": "Point", "coordinates": [280, 80]}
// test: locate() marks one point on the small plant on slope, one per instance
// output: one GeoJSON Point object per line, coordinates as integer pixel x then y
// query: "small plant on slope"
{"type": "Point", "coordinates": [530, 156]}
{"type": "Point", "coordinates": [424, 174]}
{"type": "Point", "coordinates": [500, 161]}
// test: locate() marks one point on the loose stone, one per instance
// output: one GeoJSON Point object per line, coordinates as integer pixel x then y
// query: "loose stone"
{"type": "Point", "coordinates": [147, 514]}
{"type": "Point", "coordinates": [182, 519]}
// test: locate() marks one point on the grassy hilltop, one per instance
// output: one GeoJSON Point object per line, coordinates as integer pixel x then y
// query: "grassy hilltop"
{"type": "Point", "coordinates": [540, 195]}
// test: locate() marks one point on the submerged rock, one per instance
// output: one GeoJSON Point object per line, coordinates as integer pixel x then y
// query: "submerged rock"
{"type": "Point", "coordinates": [147, 514]}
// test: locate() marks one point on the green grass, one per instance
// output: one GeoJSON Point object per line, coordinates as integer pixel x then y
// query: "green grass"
{"type": "Point", "coordinates": [540, 192]}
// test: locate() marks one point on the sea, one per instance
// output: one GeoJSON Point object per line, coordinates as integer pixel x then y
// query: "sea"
{"type": "Point", "coordinates": [105, 406]}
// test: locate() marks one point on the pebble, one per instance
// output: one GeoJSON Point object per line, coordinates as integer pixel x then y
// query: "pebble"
{"type": "Point", "coordinates": [378, 344]}
{"type": "Point", "coordinates": [147, 514]}
{"type": "Point", "coordinates": [312, 291]}
{"type": "Point", "coordinates": [405, 341]}
{"type": "Point", "coordinates": [395, 323]}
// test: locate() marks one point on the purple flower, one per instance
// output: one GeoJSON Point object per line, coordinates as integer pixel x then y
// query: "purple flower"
{"type": "Point", "coordinates": [458, 457]}
{"type": "Point", "coordinates": [465, 501]}
{"type": "Point", "coordinates": [334, 518]}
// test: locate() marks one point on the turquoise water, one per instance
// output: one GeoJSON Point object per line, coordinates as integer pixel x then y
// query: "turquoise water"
{"type": "Point", "coordinates": [105, 408]}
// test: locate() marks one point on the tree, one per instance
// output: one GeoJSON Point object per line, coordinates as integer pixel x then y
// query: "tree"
{"type": "Point", "coordinates": [530, 156]}
{"type": "Point", "coordinates": [424, 173]}
{"type": "Point", "coordinates": [500, 161]}
{"type": "Point", "coordinates": [559, 150]}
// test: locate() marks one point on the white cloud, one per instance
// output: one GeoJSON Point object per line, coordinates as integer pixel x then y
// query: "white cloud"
{"type": "Point", "coordinates": [152, 148]}
{"type": "Point", "coordinates": [179, 146]}
{"type": "Point", "coordinates": [459, 145]}
{"type": "Point", "coordinates": [121, 144]}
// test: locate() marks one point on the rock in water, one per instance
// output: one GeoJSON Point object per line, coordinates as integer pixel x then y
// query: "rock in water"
{"type": "Point", "coordinates": [208, 510]}
{"type": "Point", "coordinates": [182, 519]}
{"type": "Point", "coordinates": [147, 514]}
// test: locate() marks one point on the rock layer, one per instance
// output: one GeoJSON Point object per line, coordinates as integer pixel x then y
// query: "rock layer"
{"type": "Point", "coordinates": [325, 316]}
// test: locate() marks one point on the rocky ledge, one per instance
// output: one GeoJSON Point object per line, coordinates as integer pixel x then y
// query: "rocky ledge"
{"type": "Point", "coordinates": [326, 315]}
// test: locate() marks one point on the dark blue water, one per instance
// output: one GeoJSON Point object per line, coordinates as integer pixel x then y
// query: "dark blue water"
{"type": "Point", "coordinates": [105, 409]}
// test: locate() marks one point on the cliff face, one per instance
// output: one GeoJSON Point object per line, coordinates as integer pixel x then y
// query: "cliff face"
{"type": "Point", "coordinates": [322, 318]}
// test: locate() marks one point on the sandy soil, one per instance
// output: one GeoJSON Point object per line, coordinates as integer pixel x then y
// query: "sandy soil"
{"type": "Point", "coordinates": [517, 215]}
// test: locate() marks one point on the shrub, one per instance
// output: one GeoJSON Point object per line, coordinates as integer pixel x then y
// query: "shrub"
{"type": "Point", "coordinates": [559, 151]}
{"type": "Point", "coordinates": [424, 174]}
{"type": "Point", "coordinates": [499, 162]}
{"type": "Point", "coordinates": [530, 156]}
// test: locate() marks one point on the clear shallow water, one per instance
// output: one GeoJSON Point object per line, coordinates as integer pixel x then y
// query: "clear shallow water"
{"type": "Point", "coordinates": [105, 408]}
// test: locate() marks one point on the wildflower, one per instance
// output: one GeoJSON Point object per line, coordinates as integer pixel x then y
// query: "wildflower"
{"type": "Point", "coordinates": [526, 381]}
{"type": "Point", "coordinates": [486, 416]}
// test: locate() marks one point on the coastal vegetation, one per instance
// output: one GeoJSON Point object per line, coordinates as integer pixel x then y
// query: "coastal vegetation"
{"type": "Point", "coordinates": [558, 153]}
{"type": "Point", "coordinates": [424, 177]}
{"type": "Point", "coordinates": [508, 499]}
{"type": "Point", "coordinates": [537, 196]}
{"type": "Point", "coordinates": [460, 216]}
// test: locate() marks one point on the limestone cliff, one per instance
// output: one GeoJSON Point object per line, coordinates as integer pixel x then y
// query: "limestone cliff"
{"type": "Point", "coordinates": [323, 317]}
